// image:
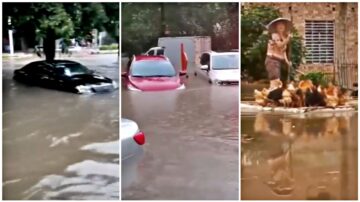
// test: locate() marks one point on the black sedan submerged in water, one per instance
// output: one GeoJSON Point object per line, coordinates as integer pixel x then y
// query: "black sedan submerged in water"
{"type": "Point", "coordinates": [64, 75]}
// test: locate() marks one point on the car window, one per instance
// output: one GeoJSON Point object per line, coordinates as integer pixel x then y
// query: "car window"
{"type": "Point", "coordinates": [30, 67]}
{"type": "Point", "coordinates": [148, 68]}
{"type": "Point", "coordinates": [46, 69]}
{"type": "Point", "coordinates": [160, 52]}
{"type": "Point", "coordinates": [151, 52]}
{"type": "Point", "coordinates": [220, 62]}
{"type": "Point", "coordinates": [35, 68]}
{"type": "Point", "coordinates": [71, 69]}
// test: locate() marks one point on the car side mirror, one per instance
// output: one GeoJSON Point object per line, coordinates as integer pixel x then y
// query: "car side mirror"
{"type": "Point", "coordinates": [204, 67]}
{"type": "Point", "coordinates": [124, 74]}
{"type": "Point", "coordinates": [182, 73]}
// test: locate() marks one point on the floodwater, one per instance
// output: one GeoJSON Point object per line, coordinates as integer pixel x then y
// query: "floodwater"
{"type": "Point", "coordinates": [285, 157]}
{"type": "Point", "coordinates": [59, 145]}
{"type": "Point", "coordinates": [191, 149]}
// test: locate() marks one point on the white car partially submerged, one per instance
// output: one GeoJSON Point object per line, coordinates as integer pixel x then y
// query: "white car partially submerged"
{"type": "Point", "coordinates": [132, 140]}
{"type": "Point", "coordinates": [219, 67]}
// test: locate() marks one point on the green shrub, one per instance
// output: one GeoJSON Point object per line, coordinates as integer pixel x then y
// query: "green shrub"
{"type": "Point", "coordinates": [318, 78]}
{"type": "Point", "coordinates": [109, 47]}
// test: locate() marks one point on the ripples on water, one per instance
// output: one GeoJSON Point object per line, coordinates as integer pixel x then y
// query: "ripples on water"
{"type": "Point", "coordinates": [87, 179]}
{"type": "Point", "coordinates": [59, 145]}
{"type": "Point", "coordinates": [191, 149]}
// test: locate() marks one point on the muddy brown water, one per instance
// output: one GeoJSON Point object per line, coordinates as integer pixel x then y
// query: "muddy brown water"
{"type": "Point", "coordinates": [58, 145]}
{"type": "Point", "coordinates": [191, 149]}
{"type": "Point", "coordinates": [285, 157]}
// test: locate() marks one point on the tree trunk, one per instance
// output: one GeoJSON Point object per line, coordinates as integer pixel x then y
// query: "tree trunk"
{"type": "Point", "coordinates": [233, 11]}
{"type": "Point", "coordinates": [49, 45]}
{"type": "Point", "coordinates": [162, 20]}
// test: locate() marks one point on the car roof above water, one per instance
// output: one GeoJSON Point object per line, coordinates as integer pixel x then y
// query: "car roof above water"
{"type": "Point", "coordinates": [150, 58]}
{"type": "Point", "coordinates": [56, 62]}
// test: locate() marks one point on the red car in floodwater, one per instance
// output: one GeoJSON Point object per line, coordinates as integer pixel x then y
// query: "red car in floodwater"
{"type": "Point", "coordinates": [152, 73]}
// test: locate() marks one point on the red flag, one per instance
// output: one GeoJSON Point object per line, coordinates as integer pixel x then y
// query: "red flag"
{"type": "Point", "coordinates": [184, 59]}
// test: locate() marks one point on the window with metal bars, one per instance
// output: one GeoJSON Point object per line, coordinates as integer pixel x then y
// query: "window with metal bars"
{"type": "Point", "coordinates": [319, 41]}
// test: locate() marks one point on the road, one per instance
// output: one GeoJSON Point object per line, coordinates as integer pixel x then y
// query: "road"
{"type": "Point", "coordinates": [191, 150]}
{"type": "Point", "coordinates": [58, 145]}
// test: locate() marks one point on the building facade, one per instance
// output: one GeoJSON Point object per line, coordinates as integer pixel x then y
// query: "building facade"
{"type": "Point", "coordinates": [330, 36]}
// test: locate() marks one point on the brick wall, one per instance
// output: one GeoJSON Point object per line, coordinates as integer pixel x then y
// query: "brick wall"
{"type": "Point", "coordinates": [346, 41]}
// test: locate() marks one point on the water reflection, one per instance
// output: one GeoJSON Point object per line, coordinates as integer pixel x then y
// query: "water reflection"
{"type": "Point", "coordinates": [299, 157]}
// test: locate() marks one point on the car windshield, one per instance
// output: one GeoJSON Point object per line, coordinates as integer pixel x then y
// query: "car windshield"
{"type": "Point", "coordinates": [220, 62]}
{"type": "Point", "coordinates": [152, 68]}
{"type": "Point", "coordinates": [71, 69]}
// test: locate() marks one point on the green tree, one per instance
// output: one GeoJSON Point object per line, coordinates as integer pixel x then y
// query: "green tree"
{"type": "Point", "coordinates": [144, 23]}
{"type": "Point", "coordinates": [140, 26]}
{"type": "Point", "coordinates": [254, 39]}
{"type": "Point", "coordinates": [51, 21]}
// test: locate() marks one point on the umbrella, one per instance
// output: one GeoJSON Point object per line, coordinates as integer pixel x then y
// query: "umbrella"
{"type": "Point", "coordinates": [272, 25]}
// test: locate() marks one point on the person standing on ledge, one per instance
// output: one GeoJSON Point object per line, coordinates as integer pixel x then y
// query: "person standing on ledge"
{"type": "Point", "coordinates": [276, 55]}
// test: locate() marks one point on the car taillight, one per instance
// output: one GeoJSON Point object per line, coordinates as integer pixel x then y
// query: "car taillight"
{"type": "Point", "coordinates": [139, 138]}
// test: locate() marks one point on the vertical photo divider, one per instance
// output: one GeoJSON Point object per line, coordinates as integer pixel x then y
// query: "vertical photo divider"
{"type": "Point", "coordinates": [120, 86]}
{"type": "Point", "coordinates": [239, 98]}
{"type": "Point", "coordinates": [1, 106]}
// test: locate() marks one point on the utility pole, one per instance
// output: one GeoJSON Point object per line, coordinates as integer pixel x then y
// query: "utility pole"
{"type": "Point", "coordinates": [11, 40]}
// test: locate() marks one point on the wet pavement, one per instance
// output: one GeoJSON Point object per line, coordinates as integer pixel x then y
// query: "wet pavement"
{"type": "Point", "coordinates": [59, 145]}
{"type": "Point", "coordinates": [191, 149]}
{"type": "Point", "coordinates": [285, 157]}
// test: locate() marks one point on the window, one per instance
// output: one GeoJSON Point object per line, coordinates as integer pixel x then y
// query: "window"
{"type": "Point", "coordinates": [34, 68]}
{"type": "Point", "coordinates": [71, 69]}
{"type": "Point", "coordinates": [160, 52]}
{"type": "Point", "coordinates": [152, 68]}
{"type": "Point", "coordinates": [151, 52]}
{"type": "Point", "coordinates": [319, 41]}
{"type": "Point", "coordinates": [221, 62]}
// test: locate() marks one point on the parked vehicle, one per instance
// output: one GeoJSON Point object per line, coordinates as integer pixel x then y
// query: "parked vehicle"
{"type": "Point", "coordinates": [152, 73]}
{"type": "Point", "coordinates": [170, 47]}
{"type": "Point", "coordinates": [156, 51]}
{"type": "Point", "coordinates": [219, 68]}
{"type": "Point", "coordinates": [132, 140]}
{"type": "Point", "coordinates": [64, 75]}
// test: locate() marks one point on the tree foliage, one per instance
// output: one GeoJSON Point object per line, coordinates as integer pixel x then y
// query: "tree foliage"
{"type": "Point", "coordinates": [142, 23]}
{"type": "Point", "coordinates": [254, 39]}
{"type": "Point", "coordinates": [62, 20]}
{"type": "Point", "coordinates": [317, 78]}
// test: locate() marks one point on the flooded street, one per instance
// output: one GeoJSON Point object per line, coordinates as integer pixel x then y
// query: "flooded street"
{"type": "Point", "coordinates": [191, 149]}
{"type": "Point", "coordinates": [299, 157]}
{"type": "Point", "coordinates": [59, 145]}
